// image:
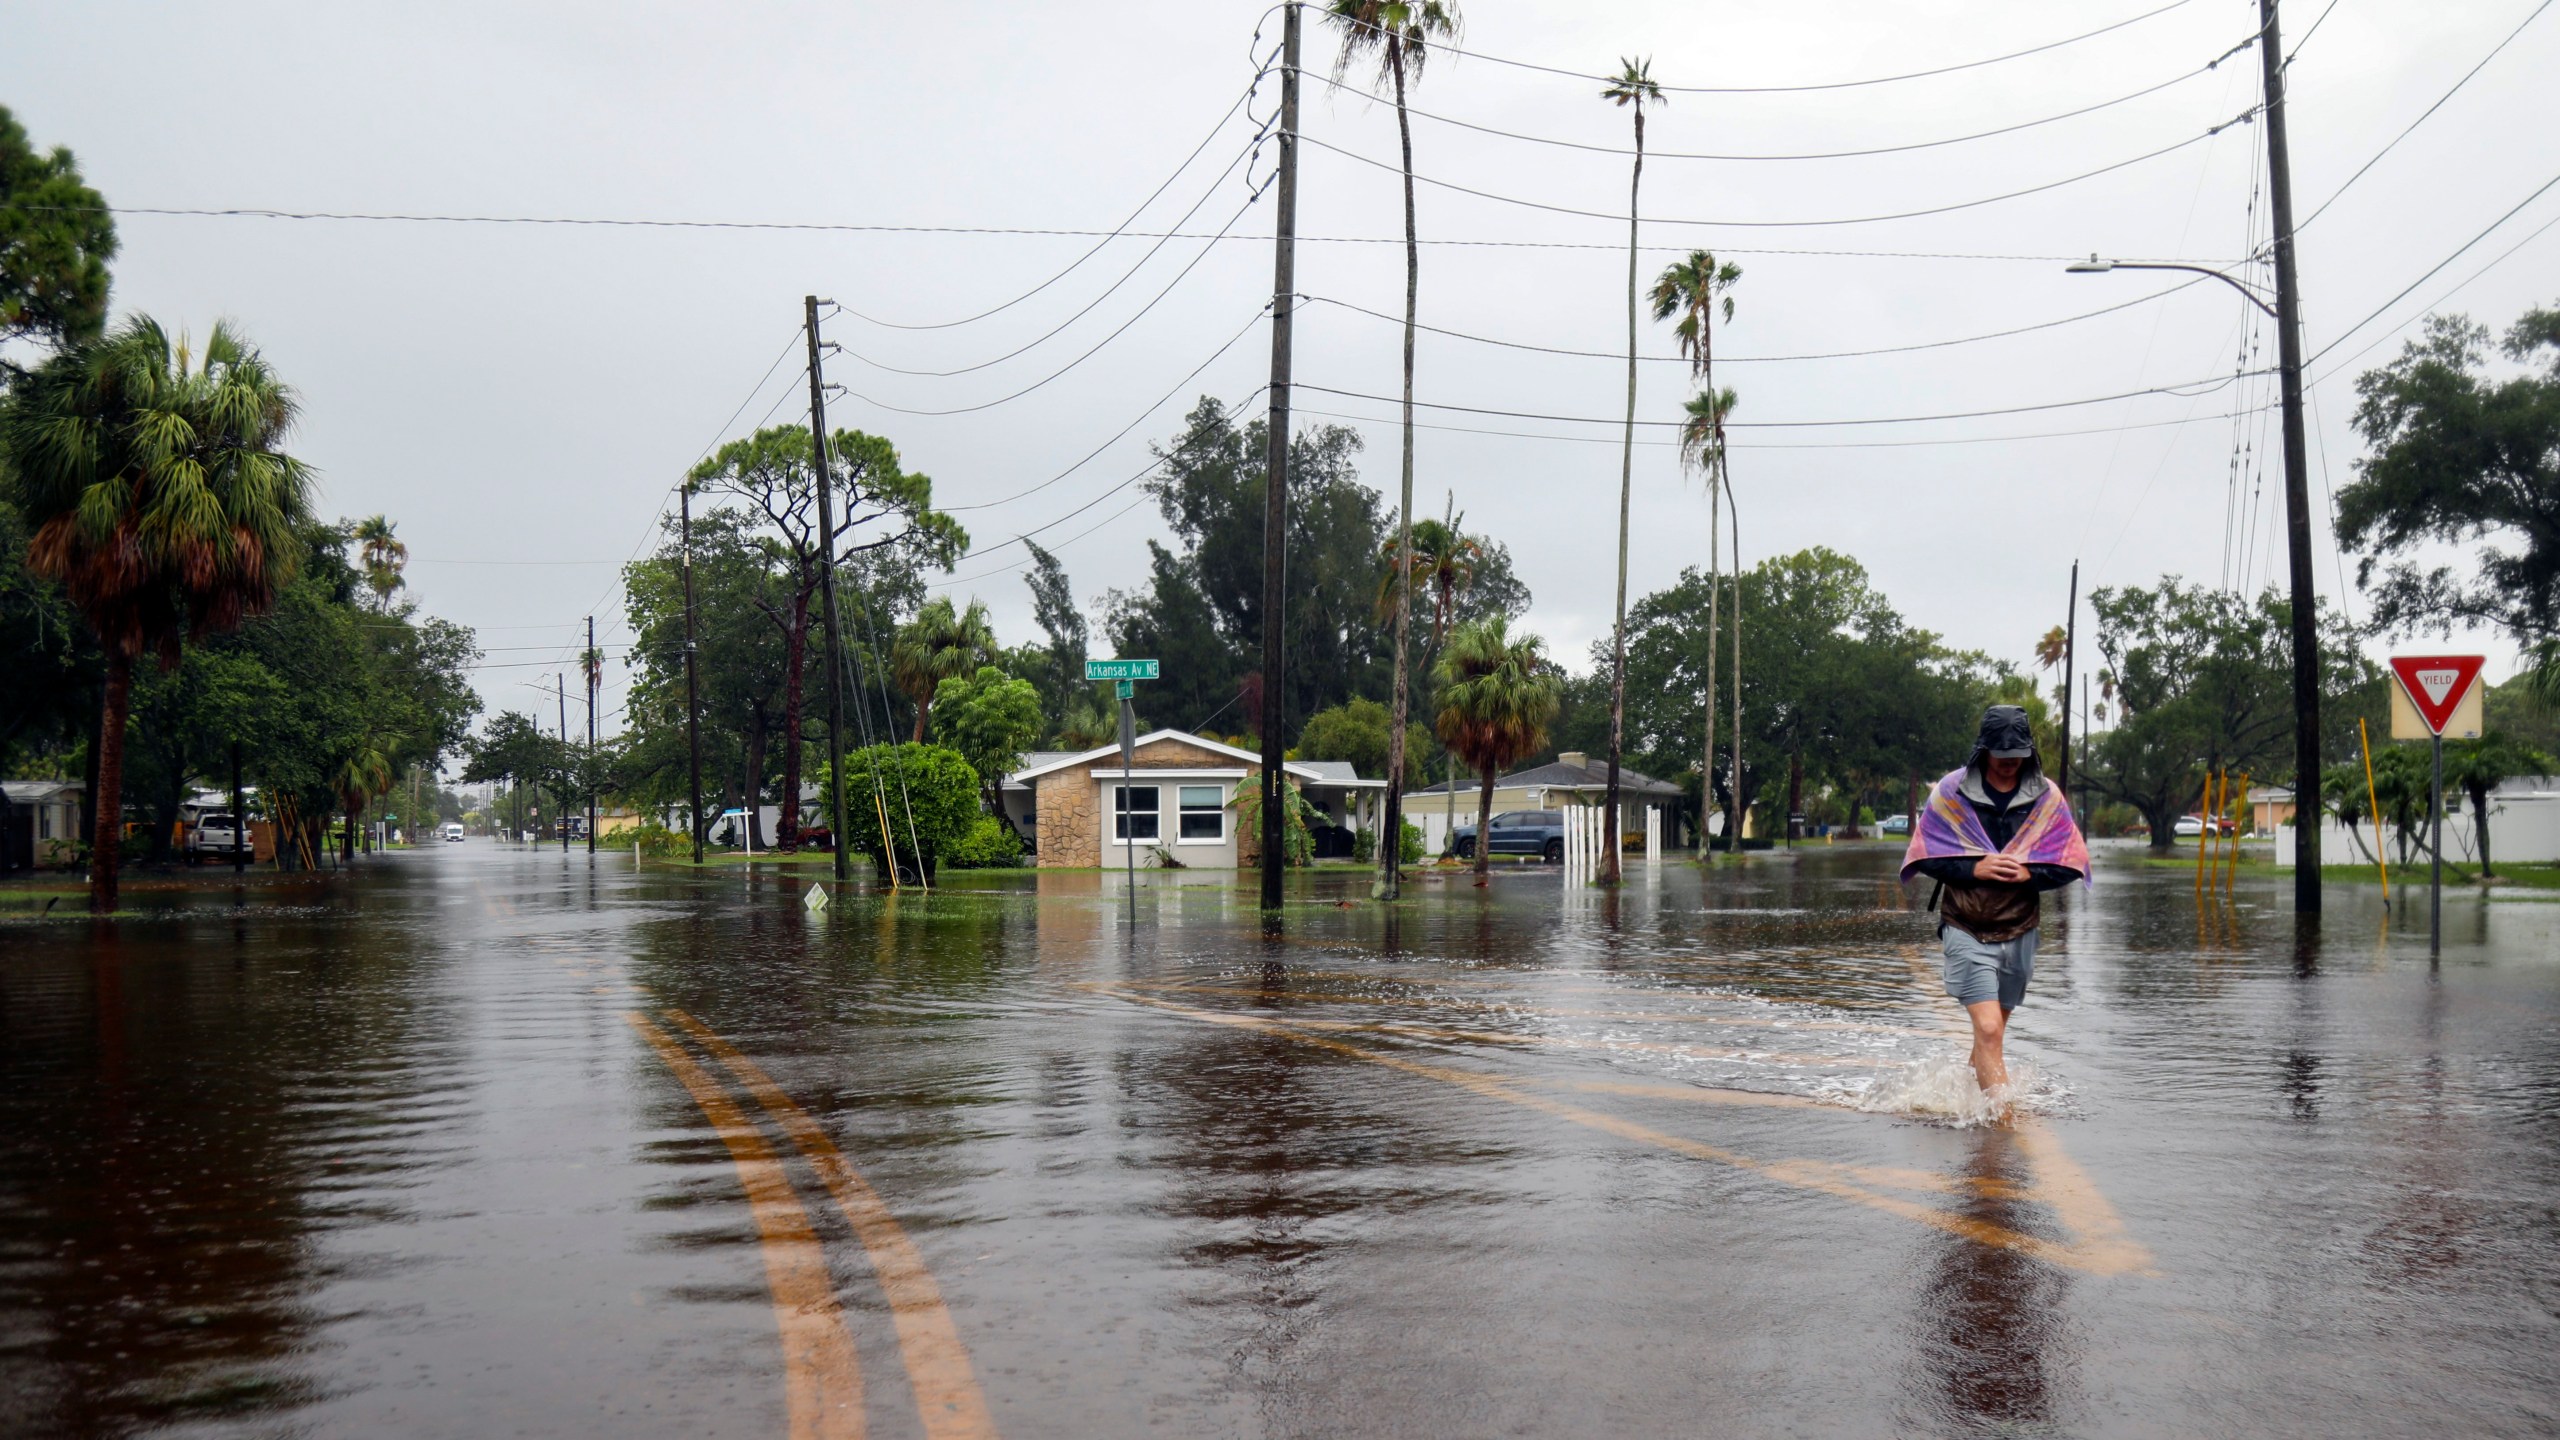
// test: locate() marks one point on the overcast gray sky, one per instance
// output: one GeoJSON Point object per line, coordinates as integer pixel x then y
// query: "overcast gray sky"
{"type": "Point", "coordinates": [521, 398]}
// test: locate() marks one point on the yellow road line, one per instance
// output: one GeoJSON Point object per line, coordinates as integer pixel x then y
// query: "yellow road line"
{"type": "Point", "coordinates": [946, 1387]}
{"type": "Point", "coordinates": [2102, 1258]}
{"type": "Point", "coordinates": [822, 1380]}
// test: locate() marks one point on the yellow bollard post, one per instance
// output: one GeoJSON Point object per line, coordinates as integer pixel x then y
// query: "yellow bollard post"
{"type": "Point", "coordinates": [2232, 872]}
{"type": "Point", "coordinates": [2373, 807]}
{"type": "Point", "coordinates": [2203, 803]}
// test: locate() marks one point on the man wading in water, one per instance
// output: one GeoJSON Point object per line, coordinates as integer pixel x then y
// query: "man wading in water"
{"type": "Point", "coordinates": [1995, 836]}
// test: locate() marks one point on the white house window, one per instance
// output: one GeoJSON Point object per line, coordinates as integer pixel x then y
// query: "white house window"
{"type": "Point", "coordinates": [1135, 813]}
{"type": "Point", "coordinates": [1204, 812]}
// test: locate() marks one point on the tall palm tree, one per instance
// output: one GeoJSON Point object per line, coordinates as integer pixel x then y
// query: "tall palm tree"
{"type": "Point", "coordinates": [1497, 697]}
{"type": "Point", "coordinates": [1400, 33]}
{"type": "Point", "coordinates": [384, 558]}
{"type": "Point", "coordinates": [1634, 88]}
{"type": "Point", "coordinates": [939, 644]}
{"type": "Point", "coordinates": [1444, 561]}
{"type": "Point", "coordinates": [158, 497]}
{"type": "Point", "coordinates": [1695, 289]}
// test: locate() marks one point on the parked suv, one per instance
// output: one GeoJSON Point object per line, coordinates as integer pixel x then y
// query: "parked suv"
{"type": "Point", "coordinates": [215, 837]}
{"type": "Point", "coordinates": [453, 830]}
{"type": "Point", "coordinates": [1520, 832]}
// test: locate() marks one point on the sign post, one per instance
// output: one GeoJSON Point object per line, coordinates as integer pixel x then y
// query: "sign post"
{"type": "Point", "coordinates": [2436, 693]}
{"type": "Point", "coordinates": [1124, 675]}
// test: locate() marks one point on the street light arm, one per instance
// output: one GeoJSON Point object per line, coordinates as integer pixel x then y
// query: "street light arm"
{"type": "Point", "coordinates": [2095, 266]}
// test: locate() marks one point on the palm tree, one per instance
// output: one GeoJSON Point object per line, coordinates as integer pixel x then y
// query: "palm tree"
{"type": "Point", "coordinates": [1444, 561]}
{"type": "Point", "coordinates": [158, 498]}
{"type": "Point", "coordinates": [1633, 87]}
{"type": "Point", "coordinates": [364, 772]}
{"type": "Point", "coordinates": [939, 644]}
{"type": "Point", "coordinates": [1497, 697]}
{"type": "Point", "coordinates": [2476, 767]}
{"type": "Point", "coordinates": [384, 558]}
{"type": "Point", "coordinates": [2051, 646]}
{"type": "Point", "coordinates": [1702, 450]}
{"type": "Point", "coordinates": [1400, 32]}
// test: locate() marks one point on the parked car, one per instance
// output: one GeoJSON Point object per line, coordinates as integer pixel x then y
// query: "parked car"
{"type": "Point", "coordinates": [217, 836]}
{"type": "Point", "coordinates": [1519, 832]}
{"type": "Point", "coordinates": [1894, 825]}
{"type": "Point", "coordinates": [2189, 826]}
{"type": "Point", "coordinates": [453, 831]}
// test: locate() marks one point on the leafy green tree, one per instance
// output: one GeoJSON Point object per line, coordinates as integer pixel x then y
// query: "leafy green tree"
{"type": "Point", "coordinates": [929, 794]}
{"type": "Point", "coordinates": [517, 752]}
{"type": "Point", "coordinates": [880, 509]}
{"type": "Point", "coordinates": [941, 643]}
{"type": "Point", "coordinates": [1356, 730]}
{"type": "Point", "coordinates": [1200, 608]}
{"type": "Point", "coordinates": [2476, 767]}
{"type": "Point", "coordinates": [2457, 457]}
{"type": "Point", "coordinates": [56, 237]}
{"type": "Point", "coordinates": [990, 718]}
{"type": "Point", "coordinates": [1496, 697]}
{"type": "Point", "coordinates": [2204, 682]}
{"type": "Point", "coordinates": [1057, 669]}
{"type": "Point", "coordinates": [161, 500]}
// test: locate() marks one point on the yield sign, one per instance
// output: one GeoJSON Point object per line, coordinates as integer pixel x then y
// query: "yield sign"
{"type": "Point", "coordinates": [2437, 684]}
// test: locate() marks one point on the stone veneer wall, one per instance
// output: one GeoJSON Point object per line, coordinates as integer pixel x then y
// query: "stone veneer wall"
{"type": "Point", "coordinates": [1070, 801]}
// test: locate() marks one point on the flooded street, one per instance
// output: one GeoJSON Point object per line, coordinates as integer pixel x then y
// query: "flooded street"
{"type": "Point", "coordinates": [501, 1142]}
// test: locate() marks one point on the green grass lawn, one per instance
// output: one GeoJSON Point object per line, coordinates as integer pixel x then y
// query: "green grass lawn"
{"type": "Point", "coordinates": [2527, 875]}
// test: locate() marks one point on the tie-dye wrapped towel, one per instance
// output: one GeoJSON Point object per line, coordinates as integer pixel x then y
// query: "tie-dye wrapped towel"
{"type": "Point", "coordinates": [1947, 828]}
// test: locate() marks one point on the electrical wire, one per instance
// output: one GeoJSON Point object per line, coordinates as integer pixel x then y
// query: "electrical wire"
{"type": "Point", "coordinates": [1179, 277]}
{"type": "Point", "coordinates": [2305, 222]}
{"type": "Point", "coordinates": [1897, 444]}
{"type": "Point", "coordinates": [2431, 271]}
{"type": "Point", "coordinates": [1178, 387]}
{"type": "Point", "coordinates": [2305, 37]}
{"type": "Point", "coordinates": [1112, 234]}
{"type": "Point", "coordinates": [1620, 356]}
{"type": "Point", "coordinates": [1651, 154]}
{"type": "Point", "coordinates": [2192, 388]}
{"type": "Point", "coordinates": [1946, 209]}
{"type": "Point", "coordinates": [1827, 85]}
{"type": "Point", "coordinates": [2538, 232]}
{"type": "Point", "coordinates": [1054, 331]}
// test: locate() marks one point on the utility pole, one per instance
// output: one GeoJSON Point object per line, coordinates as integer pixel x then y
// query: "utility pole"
{"type": "Point", "coordinates": [827, 594]}
{"type": "Point", "coordinates": [1275, 471]}
{"type": "Point", "coordinates": [2297, 485]}
{"type": "Point", "coordinates": [240, 820]}
{"type": "Point", "coordinates": [560, 684]}
{"type": "Point", "coordinates": [595, 673]}
{"type": "Point", "coordinates": [692, 686]}
{"type": "Point", "coordinates": [2070, 644]}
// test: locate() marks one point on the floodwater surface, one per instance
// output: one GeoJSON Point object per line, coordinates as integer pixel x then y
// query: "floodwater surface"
{"type": "Point", "coordinates": [495, 1141]}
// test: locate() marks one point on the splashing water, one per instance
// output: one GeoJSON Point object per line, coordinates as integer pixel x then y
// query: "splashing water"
{"type": "Point", "coordinates": [1942, 1089]}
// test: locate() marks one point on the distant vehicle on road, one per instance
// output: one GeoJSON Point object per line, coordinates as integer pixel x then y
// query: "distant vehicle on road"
{"type": "Point", "coordinates": [1895, 825]}
{"type": "Point", "coordinates": [1519, 832]}
{"type": "Point", "coordinates": [453, 831]}
{"type": "Point", "coordinates": [2188, 826]}
{"type": "Point", "coordinates": [216, 837]}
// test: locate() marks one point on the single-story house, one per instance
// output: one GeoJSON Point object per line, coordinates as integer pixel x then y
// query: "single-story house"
{"type": "Point", "coordinates": [1572, 778]}
{"type": "Point", "coordinates": [2269, 807]}
{"type": "Point", "coordinates": [1076, 809]}
{"type": "Point", "coordinates": [46, 823]}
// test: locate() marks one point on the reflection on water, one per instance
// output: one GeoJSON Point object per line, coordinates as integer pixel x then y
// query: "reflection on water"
{"type": "Point", "coordinates": [1990, 1348]}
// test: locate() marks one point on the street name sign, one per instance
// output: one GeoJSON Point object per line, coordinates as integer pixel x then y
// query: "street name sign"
{"type": "Point", "coordinates": [1125, 689]}
{"type": "Point", "coordinates": [1120, 670]}
{"type": "Point", "coordinates": [2438, 695]}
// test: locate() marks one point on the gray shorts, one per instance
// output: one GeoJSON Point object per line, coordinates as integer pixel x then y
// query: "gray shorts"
{"type": "Point", "coordinates": [1977, 971]}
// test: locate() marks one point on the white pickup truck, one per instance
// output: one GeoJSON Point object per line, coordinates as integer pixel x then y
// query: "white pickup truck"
{"type": "Point", "coordinates": [216, 837]}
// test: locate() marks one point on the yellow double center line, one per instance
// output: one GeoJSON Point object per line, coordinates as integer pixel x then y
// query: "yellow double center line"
{"type": "Point", "coordinates": [822, 1377]}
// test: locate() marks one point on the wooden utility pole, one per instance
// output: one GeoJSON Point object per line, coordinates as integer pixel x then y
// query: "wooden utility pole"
{"type": "Point", "coordinates": [595, 672]}
{"type": "Point", "coordinates": [240, 819]}
{"type": "Point", "coordinates": [2070, 643]}
{"type": "Point", "coordinates": [827, 595]}
{"type": "Point", "coordinates": [560, 685]}
{"type": "Point", "coordinates": [1275, 473]}
{"type": "Point", "coordinates": [692, 682]}
{"type": "Point", "coordinates": [2297, 485]}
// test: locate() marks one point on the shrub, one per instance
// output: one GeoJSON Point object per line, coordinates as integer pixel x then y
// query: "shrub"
{"type": "Point", "coordinates": [929, 792]}
{"type": "Point", "coordinates": [990, 844]}
{"type": "Point", "coordinates": [658, 842]}
{"type": "Point", "coordinates": [1410, 852]}
{"type": "Point", "coordinates": [1364, 846]}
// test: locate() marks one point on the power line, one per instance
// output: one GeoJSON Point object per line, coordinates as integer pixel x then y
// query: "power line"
{"type": "Point", "coordinates": [1114, 233]}
{"type": "Point", "coordinates": [2432, 269]}
{"type": "Point", "coordinates": [1945, 209]}
{"type": "Point", "coordinates": [1125, 277]}
{"type": "Point", "coordinates": [2296, 52]}
{"type": "Point", "coordinates": [2538, 232]}
{"type": "Point", "coordinates": [1765, 359]}
{"type": "Point", "coordinates": [2422, 115]}
{"type": "Point", "coordinates": [1150, 468]}
{"type": "Point", "coordinates": [1652, 154]}
{"type": "Point", "coordinates": [1827, 85]}
{"type": "Point", "coordinates": [2193, 388]}
{"type": "Point", "coordinates": [1179, 277]}
{"type": "Point", "coordinates": [1921, 443]}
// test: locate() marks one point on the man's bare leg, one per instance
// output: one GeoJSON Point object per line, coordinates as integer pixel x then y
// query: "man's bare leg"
{"type": "Point", "coordinates": [1990, 1026]}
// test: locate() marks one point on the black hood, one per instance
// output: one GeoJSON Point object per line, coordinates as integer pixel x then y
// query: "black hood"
{"type": "Point", "coordinates": [2005, 733]}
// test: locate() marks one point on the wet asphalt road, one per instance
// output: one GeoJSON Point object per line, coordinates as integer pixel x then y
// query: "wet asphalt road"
{"type": "Point", "coordinates": [492, 1142]}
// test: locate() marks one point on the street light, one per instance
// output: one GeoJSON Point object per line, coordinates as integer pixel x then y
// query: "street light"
{"type": "Point", "coordinates": [2297, 507]}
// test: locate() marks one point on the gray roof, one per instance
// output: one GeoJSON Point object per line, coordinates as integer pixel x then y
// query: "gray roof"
{"type": "Point", "coordinates": [1593, 775]}
{"type": "Point", "coordinates": [1033, 761]}
{"type": "Point", "coordinates": [1331, 770]}
{"type": "Point", "coordinates": [27, 792]}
